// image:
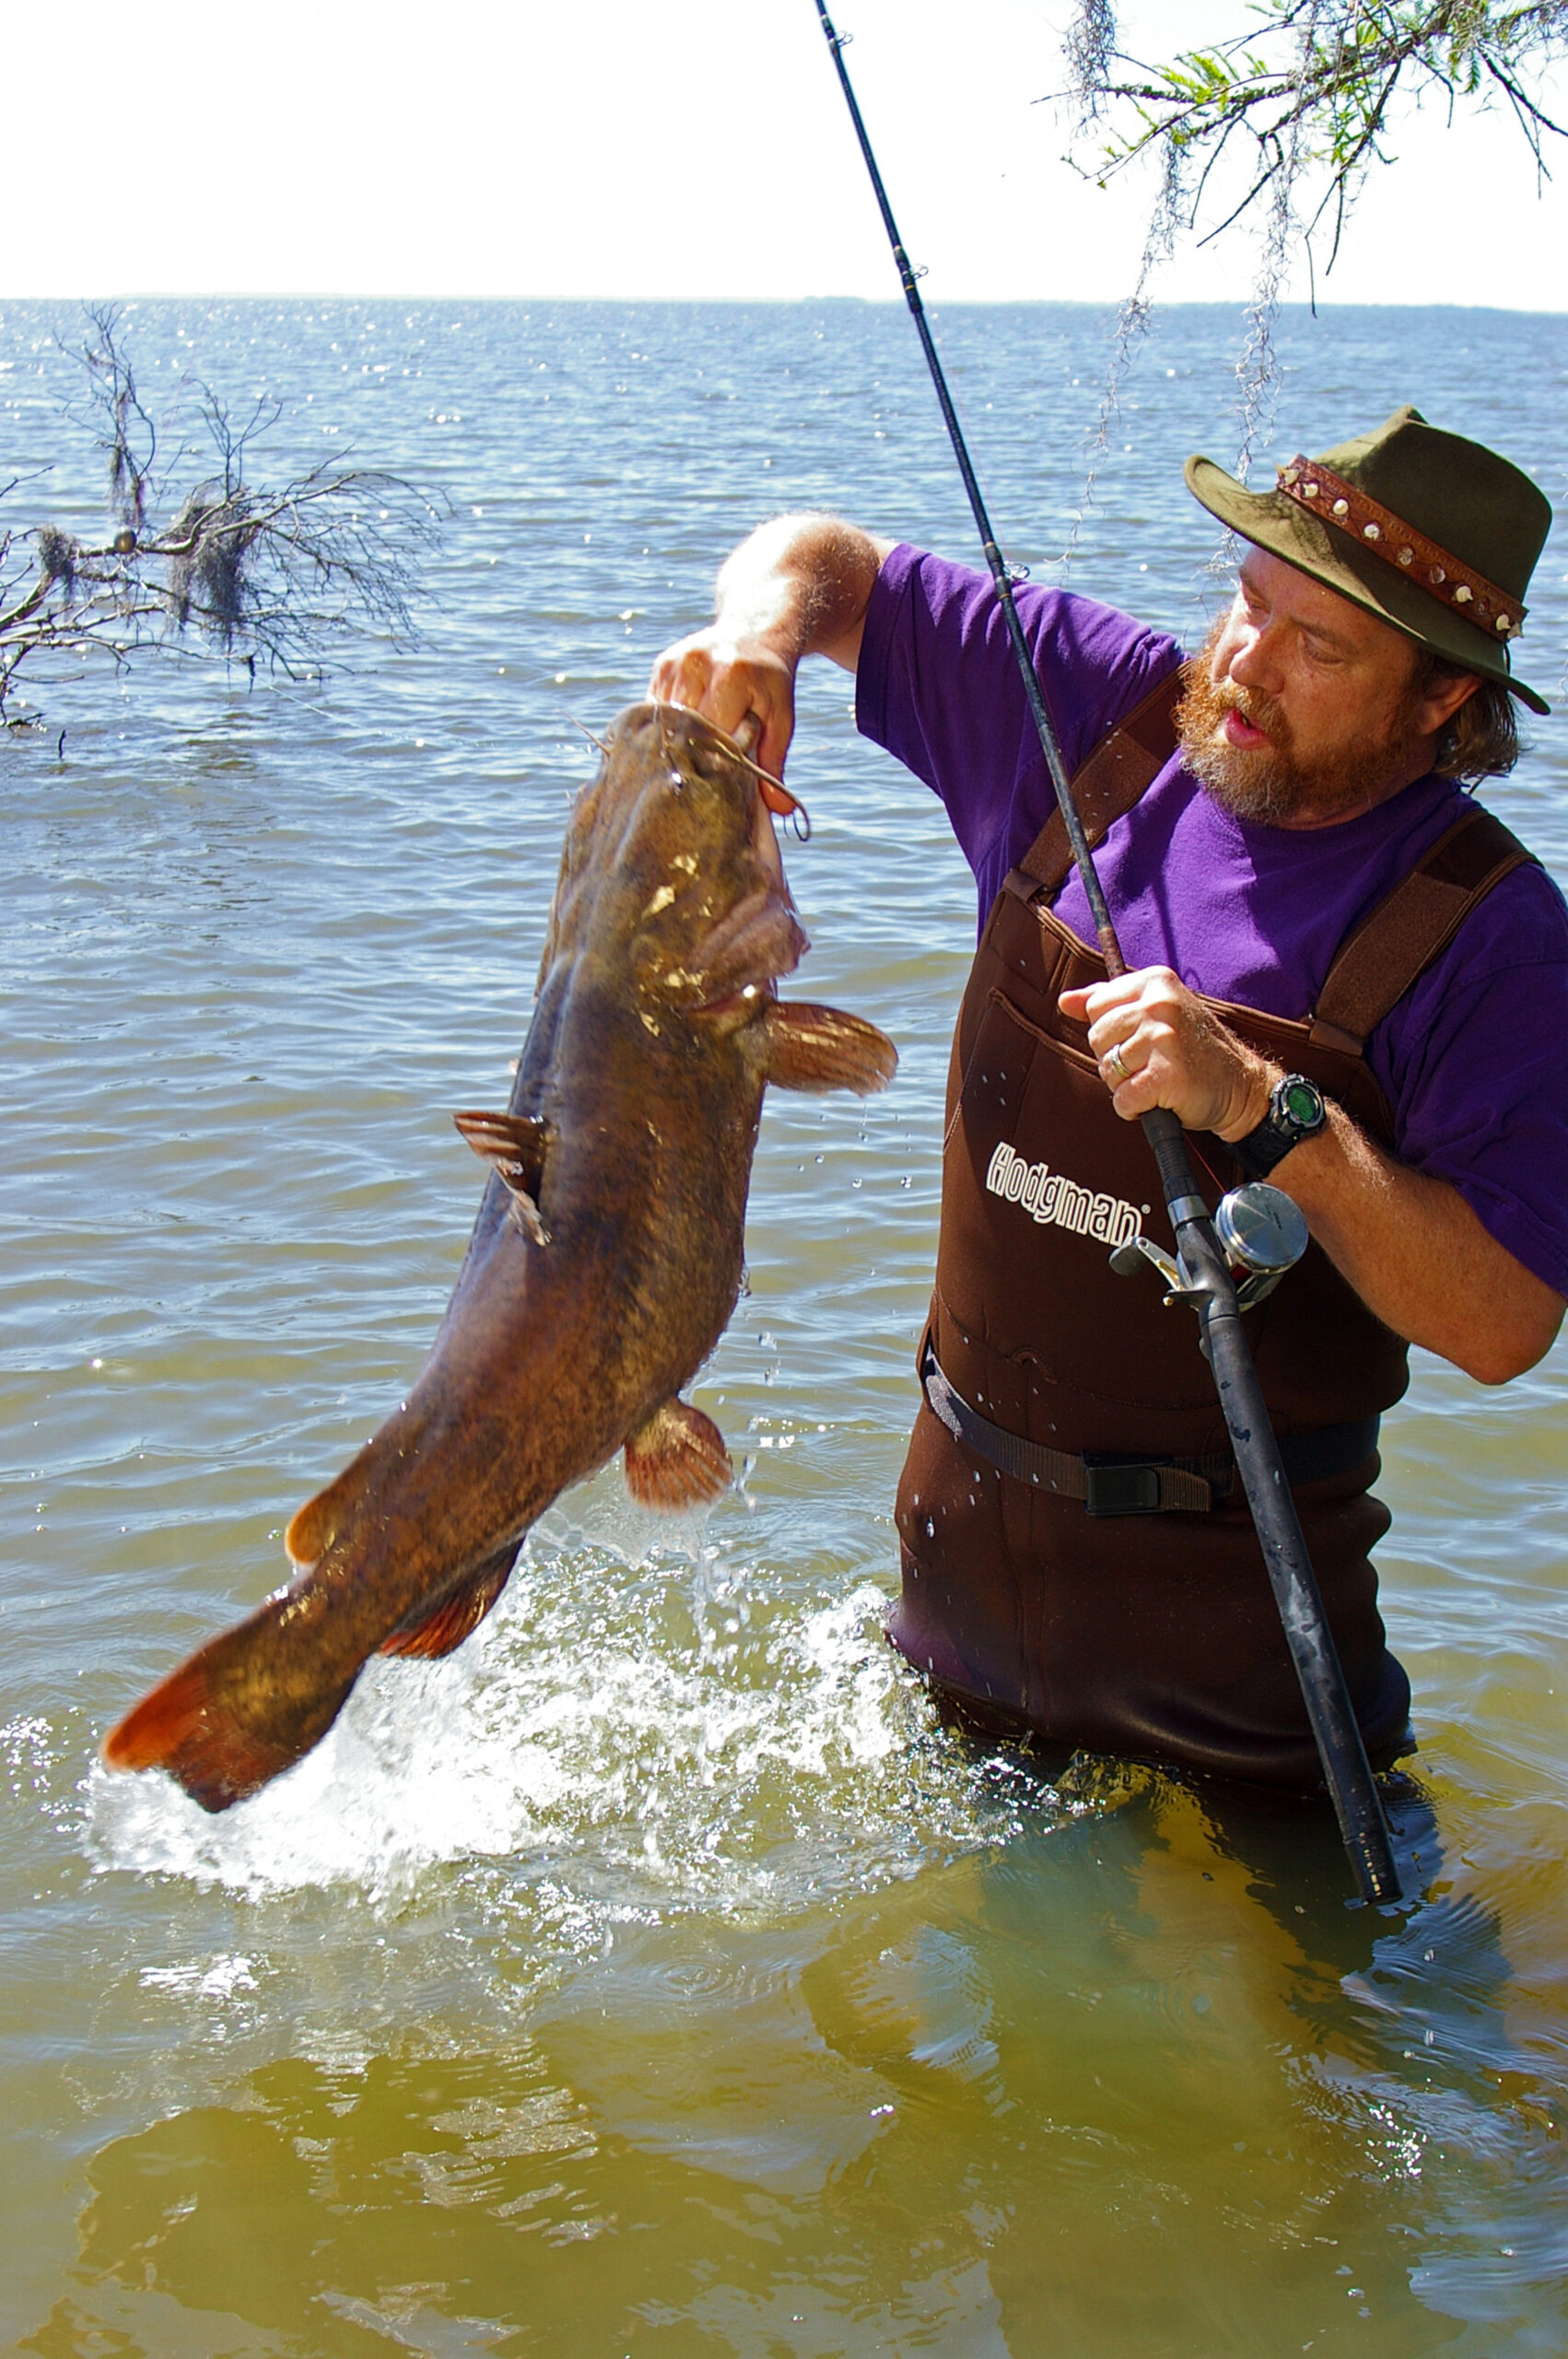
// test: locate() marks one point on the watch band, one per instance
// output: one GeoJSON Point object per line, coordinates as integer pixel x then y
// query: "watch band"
{"type": "Point", "coordinates": [1297, 1111]}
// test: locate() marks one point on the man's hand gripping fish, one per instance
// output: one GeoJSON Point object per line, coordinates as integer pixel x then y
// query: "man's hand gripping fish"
{"type": "Point", "coordinates": [603, 1269]}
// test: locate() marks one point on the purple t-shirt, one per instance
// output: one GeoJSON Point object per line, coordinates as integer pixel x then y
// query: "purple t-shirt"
{"type": "Point", "coordinates": [1473, 1060]}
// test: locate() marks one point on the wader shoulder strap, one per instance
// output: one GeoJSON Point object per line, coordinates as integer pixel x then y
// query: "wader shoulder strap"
{"type": "Point", "coordinates": [1393, 945]}
{"type": "Point", "coordinates": [1106, 784]}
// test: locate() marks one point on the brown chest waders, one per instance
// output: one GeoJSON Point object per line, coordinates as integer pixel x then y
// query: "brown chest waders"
{"type": "Point", "coordinates": [1078, 1557]}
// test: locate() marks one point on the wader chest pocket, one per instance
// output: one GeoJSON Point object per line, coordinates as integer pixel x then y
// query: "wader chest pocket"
{"type": "Point", "coordinates": [1042, 1181]}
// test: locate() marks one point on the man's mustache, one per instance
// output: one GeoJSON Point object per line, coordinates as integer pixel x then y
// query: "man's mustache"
{"type": "Point", "coordinates": [1255, 705]}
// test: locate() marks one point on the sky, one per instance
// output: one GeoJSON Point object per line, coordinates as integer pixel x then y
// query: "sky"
{"type": "Point", "coordinates": [659, 148]}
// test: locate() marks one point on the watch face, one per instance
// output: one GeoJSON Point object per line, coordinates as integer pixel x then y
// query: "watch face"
{"type": "Point", "coordinates": [1302, 1102]}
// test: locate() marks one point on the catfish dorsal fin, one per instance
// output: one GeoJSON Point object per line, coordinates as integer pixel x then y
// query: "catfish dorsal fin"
{"type": "Point", "coordinates": [315, 1526]}
{"type": "Point", "coordinates": [514, 1145]}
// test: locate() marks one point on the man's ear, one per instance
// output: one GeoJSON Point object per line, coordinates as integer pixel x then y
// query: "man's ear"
{"type": "Point", "coordinates": [1443, 700]}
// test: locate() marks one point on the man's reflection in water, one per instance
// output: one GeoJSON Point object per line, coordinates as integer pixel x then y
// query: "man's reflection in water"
{"type": "Point", "coordinates": [1290, 1858]}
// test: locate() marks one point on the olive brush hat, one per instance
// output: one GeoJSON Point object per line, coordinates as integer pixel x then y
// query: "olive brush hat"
{"type": "Point", "coordinates": [1432, 533]}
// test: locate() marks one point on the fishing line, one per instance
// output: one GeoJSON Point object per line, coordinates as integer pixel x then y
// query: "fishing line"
{"type": "Point", "coordinates": [1000, 573]}
{"type": "Point", "coordinates": [1209, 1286]}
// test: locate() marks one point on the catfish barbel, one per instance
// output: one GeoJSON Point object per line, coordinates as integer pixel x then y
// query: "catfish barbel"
{"type": "Point", "coordinates": [604, 1266]}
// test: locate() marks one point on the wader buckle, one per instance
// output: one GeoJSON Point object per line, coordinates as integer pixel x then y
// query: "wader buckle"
{"type": "Point", "coordinates": [1117, 1488]}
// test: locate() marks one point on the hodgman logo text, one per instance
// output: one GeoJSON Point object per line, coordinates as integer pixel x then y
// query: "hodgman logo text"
{"type": "Point", "coordinates": [1052, 1197]}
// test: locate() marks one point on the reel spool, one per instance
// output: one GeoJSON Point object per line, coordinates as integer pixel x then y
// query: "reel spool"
{"type": "Point", "coordinates": [1263, 1233]}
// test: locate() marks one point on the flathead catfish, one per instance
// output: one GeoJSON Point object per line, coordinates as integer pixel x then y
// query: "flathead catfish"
{"type": "Point", "coordinates": [603, 1265]}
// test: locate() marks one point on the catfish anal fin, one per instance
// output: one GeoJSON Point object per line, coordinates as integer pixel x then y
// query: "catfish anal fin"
{"type": "Point", "coordinates": [459, 1613]}
{"type": "Point", "coordinates": [677, 1459]}
{"type": "Point", "coordinates": [803, 1046]}
{"type": "Point", "coordinates": [514, 1146]}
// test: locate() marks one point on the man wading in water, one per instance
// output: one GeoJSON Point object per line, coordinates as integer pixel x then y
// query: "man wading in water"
{"type": "Point", "coordinates": [1347, 977]}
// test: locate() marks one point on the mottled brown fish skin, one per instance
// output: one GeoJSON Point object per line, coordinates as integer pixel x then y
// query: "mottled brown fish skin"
{"type": "Point", "coordinates": [628, 1146]}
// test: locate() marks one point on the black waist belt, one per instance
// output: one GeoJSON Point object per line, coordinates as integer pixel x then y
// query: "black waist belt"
{"type": "Point", "coordinates": [1111, 1484]}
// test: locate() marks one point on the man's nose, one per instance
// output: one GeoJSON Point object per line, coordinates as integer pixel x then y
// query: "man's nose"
{"type": "Point", "coordinates": [1254, 662]}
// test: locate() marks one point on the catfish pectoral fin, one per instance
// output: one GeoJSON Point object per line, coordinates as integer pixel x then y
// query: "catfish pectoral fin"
{"type": "Point", "coordinates": [677, 1459]}
{"type": "Point", "coordinates": [460, 1613]}
{"type": "Point", "coordinates": [518, 1141]}
{"type": "Point", "coordinates": [191, 1725]}
{"type": "Point", "coordinates": [803, 1046]}
{"type": "Point", "coordinates": [514, 1146]}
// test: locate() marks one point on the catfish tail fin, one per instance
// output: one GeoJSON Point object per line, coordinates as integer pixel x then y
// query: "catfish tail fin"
{"type": "Point", "coordinates": [229, 1720]}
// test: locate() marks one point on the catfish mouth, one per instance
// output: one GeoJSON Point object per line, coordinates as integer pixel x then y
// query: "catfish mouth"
{"type": "Point", "coordinates": [736, 1007]}
{"type": "Point", "coordinates": [730, 971]}
{"type": "Point", "coordinates": [759, 939]}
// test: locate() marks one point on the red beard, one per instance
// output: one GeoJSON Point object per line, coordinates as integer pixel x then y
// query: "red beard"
{"type": "Point", "coordinates": [1271, 783]}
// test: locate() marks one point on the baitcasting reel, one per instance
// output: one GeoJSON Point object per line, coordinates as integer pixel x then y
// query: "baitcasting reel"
{"type": "Point", "coordinates": [1261, 1231]}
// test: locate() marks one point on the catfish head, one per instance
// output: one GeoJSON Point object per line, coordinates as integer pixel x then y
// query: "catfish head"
{"type": "Point", "coordinates": [672, 891]}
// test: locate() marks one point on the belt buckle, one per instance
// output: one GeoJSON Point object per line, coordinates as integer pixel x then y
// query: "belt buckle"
{"type": "Point", "coordinates": [1113, 1489]}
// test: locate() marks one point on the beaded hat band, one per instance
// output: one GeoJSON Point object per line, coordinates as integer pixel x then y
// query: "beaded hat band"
{"type": "Point", "coordinates": [1345, 519]}
{"type": "Point", "coordinates": [1316, 489]}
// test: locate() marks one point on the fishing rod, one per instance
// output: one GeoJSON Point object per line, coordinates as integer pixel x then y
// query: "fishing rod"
{"type": "Point", "coordinates": [1200, 1267]}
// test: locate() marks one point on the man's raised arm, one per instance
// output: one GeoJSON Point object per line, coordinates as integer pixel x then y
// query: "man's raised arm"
{"type": "Point", "coordinates": [799, 585]}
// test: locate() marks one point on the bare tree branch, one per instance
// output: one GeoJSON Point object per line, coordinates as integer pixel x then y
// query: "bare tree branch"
{"type": "Point", "coordinates": [281, 575]}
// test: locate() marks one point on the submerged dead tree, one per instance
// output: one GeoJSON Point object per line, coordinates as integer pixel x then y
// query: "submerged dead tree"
{"type": "Point", "coordinates": [276, 574]}
{"type": "Point", "coordinates": [1281, 123]}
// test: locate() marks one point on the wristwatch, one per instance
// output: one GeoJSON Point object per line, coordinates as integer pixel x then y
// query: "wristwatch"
{"type": "Point", "coordinates": [1297, 1111]}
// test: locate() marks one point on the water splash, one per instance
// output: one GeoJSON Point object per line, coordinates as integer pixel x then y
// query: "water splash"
{"type": "Point", "coordinates": [663, 1734]}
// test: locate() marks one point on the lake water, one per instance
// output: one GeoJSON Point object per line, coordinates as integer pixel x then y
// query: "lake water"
{"type": "Point", "coordinates": [656, 1976]}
